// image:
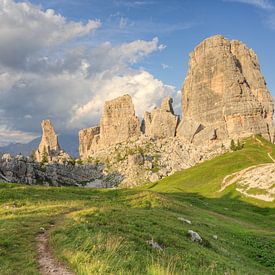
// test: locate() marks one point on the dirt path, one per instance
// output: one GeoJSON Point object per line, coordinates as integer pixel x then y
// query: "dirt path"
{"type": "Point", "coordinates": [47, 262]}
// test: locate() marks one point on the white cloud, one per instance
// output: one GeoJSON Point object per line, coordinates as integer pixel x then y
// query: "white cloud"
{"type": "Point", "coordinates": [8, 136]}
{"type": "Point", "coordinates": [146, 91]}
{"type": "Point", "coordinates": [262, 4]}
{"type": "Point", "coordinates": [68, 84]}
{"type": "Point", "coordinates": [266, 5]}
{"type": "Point", "coordinates": [26, 29]}
{"type": "Point", "coordinates": [165, 66]}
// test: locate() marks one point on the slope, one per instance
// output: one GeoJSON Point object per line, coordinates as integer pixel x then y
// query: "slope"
{"type": "Point", "coordinates": [112, 231]}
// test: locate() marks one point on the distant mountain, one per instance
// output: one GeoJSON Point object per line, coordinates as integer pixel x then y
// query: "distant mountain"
{"type": "Point", "coordinates": [68, 143]}
{"type": "Point", "coordinates": [23, 148]}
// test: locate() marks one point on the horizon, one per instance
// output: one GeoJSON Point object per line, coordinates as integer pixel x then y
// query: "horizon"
{"type": "Point", "coordinates": [62, 59]}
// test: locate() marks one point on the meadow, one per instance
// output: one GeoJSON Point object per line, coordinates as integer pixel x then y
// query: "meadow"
{"type": "Point", "coordinates": [106, 231]}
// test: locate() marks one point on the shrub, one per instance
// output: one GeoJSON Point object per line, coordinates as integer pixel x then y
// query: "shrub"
{"type": "Point", "coordinates": [45, 156]}
{"type": "Point", "coordinates": [236, 147]}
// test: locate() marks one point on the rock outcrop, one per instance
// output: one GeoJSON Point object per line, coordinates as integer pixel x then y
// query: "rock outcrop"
{"type": "Point", "coordinates": [49, 145]}
{"type": "Point", "coordinates": [161, 122]}
{"type": "Point", "coordinates": [24, 170]}
{"type": "Point", "coordinates": [49, 149]}
{"type": "Point", "coordinates": [88, 137]}
{"type": "Point", "coordinates": [118, 124]}
{"type": "Point", "coordinates": [224, 94]}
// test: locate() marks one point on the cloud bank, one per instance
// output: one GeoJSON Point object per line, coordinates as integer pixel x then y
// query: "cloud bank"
{"type": "Point", "coordinates": [48, 71]}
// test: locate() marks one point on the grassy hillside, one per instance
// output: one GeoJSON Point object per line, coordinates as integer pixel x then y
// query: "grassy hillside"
{"type": "Point", "coordinates": [206, 178]}
{"type": "Point", "coordinates": [106, 231]}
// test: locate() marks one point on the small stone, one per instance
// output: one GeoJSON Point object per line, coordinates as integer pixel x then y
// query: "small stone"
{"type": "Point", "coordinates": [184, 220]}
{"type": "Point", "coordinates": [154, 245]}
{"type": "Point", "coordinates": [195, 237]}
{"type": "Point", "coordinates": [215, 237]}
{"type": "Point", "coordinates": [6, 157]}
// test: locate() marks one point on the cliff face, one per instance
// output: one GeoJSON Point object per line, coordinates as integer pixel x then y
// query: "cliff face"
{"type": "Point", "coordinates": [118, 124]}
{"type": "Point", "coordinates": [88, 137]}
{"type": "Point", "coordinates": [24, 170]}
{"type": "Point", "coordinates": [161, 122]}
{"type": "Point", "coordinates": [224, 94]}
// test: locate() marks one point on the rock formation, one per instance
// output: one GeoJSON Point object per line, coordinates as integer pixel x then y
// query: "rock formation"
{"type": "Point", "coordinates": [87, 137]}
{"type": "Point", "coordinates": [224, 94]}
{"type": "Point", "coordinates": [161, 122]}
{"type": "Point", "coordinates": [49, 142]}
{"type": "Point", "coordinates": [118, 124]}
{"type": "Point", "coordinates": [24, 170]}
{"type": "Point", "coordinates": [224, 97]}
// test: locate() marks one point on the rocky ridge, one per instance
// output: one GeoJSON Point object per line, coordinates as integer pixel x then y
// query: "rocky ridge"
{"type": "Point", "coordinates": [22, 169]}
{"type": "Point", "coordinates": [224, 97]}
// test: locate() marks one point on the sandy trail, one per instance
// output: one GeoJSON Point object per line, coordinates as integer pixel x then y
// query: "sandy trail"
{"type": "Point", "coordinates": [47, 262]}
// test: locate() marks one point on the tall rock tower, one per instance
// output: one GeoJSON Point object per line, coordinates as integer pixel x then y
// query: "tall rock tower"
{"type": "Point", "coordinates": [224, 94]}
{"type": "Point", "coordinates": [49, 142]}
{"type": "Point", "coordinates": [118, 123]}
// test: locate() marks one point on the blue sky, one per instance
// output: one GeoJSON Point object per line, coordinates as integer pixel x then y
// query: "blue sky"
{"type": "Point", "coordinates": [180, 25]}
{"type": "Point", "coordinates": [61, 59]}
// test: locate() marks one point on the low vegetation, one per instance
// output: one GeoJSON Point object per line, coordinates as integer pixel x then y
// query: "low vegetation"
{"type": "Point", "coordinates": [110, 231]}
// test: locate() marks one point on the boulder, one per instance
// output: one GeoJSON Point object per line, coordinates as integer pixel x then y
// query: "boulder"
{"type": "Point", "coordinates": [224, 94]}
{"type": "Point", "coordinates": [6, 157]}
{"type": "Point", "coordinates": [194, 236]}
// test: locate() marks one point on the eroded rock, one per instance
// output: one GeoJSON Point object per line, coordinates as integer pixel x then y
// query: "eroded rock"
{"type": "Point", "coordinates": [49, 145]}
{"type": "Point", "coordinates": [194, 236]}
{"type": "Point", "coordinates": [161, 122]}
{"type": "Point", "coordinates": [224, 94]}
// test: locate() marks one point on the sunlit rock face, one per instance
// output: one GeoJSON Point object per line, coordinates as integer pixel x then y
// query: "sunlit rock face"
{"type": "Point", "coordinates": [118, 123]}
{"type": "Point", "coordinates": [49, 142]}
{"type": "Point", "coordinates": [224, 94]}
{"type": "Point", "coordinates": [161, 122]}
{"type": "Point", "coordinates": [87, 137]}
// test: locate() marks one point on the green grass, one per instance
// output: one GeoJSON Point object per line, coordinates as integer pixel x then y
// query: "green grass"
{"type": "Point", "coordinates": [106, 231]}
{"type": "Point", "coordinates": [205, 178]}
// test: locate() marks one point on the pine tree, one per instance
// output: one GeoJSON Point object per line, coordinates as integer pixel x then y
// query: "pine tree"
{"type": "Point", "coordinates": [239, 145]}
{"type": "Point", "coordinates": [45, 156]}
{"type": "Point", "coordinates": [232, 145]}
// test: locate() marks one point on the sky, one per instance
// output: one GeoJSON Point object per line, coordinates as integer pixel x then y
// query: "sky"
{"type": "Point", "coordinates": [61, 59]}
